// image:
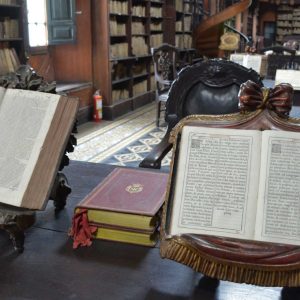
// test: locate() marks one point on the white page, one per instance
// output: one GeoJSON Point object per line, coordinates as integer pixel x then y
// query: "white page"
{"type": "Point", "coordinates": [278, 211]}
{"type": "Point", "coordinates": [288, 76]}
{"type": "Point", "coordinates": [217, 182]}
{"type": "Point", "coordinates": [253, 62]}
{"type": "Point", "coordinates": [2, 92]}
{"type": "Point", "coordinates": [237, 58]}
{"type": "Point", "coordinates": [25, 118]}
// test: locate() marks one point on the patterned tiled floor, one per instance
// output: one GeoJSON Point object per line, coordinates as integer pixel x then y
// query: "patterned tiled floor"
{"type": "Point", "coordinates": [123, 142]}
{"type": "Point", "coordinates": [133, 154]}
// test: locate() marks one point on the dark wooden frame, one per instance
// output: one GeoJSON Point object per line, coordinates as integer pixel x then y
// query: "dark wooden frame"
{"type": "Point", "coordinates": [213, 73]}
{"type": "Point", "coordinates": [165, 58]}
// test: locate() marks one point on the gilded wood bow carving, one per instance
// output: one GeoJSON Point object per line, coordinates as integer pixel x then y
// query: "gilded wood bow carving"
{"type": "Point", "coordinates": [279, 99]}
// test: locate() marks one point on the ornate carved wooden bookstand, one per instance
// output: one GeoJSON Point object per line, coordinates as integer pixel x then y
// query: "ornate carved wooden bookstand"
{"type": "Point", "coordinates": [15, 220]}
{"type": "Point", "coordinates": [259, 263]}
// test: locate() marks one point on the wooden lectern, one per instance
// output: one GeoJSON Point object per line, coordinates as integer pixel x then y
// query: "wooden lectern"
{"type": "Point", "coordinates": [237, 260]}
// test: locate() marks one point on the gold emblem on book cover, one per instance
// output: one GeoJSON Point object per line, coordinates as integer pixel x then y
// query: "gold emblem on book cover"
{"type": "Point", "coordinates": [134, 188]}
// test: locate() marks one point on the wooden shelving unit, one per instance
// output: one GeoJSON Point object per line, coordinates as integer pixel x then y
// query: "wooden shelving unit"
{"type": "Point", "coordinates": [288, 21]}
{"type": "Point", "coordinates": [123, 33]}
{"type": "Point", "coordinates": [11, 32]}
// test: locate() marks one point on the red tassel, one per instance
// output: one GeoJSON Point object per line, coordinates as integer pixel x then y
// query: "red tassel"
{"type": "Point", "coordinates": [81, 230]}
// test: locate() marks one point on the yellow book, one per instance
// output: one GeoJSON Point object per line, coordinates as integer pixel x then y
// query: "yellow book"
{"type": "Point", "coordinates": [127, 198]}
{"type": "Point", "coordinates": [127, 235]}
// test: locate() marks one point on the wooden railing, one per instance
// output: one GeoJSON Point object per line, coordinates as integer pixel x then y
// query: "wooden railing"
{"type": "Point", "coordinates": [208, 32]}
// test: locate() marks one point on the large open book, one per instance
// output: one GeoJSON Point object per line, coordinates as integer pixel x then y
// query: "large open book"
{"type": "Point", "coordinates": [35, 128]}
{"type": "Point", "coordinates": [238, 183]}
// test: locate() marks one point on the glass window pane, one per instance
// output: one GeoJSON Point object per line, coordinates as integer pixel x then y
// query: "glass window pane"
{"type": "Point", "coordinates": [37, 23]}
{"type": "Point", "coordinates": [36, 10]}
{"type": "Point", "coordinates": [37, 35]}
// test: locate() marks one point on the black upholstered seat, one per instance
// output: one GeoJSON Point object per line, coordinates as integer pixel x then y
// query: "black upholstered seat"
{"type": "Point", "coordinates": [208, 87]}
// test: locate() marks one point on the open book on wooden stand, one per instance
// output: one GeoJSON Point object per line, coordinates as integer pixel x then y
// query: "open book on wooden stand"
{"type": "Point", "coordinates": [35, 133]}
{"type": "Point", "coordinates": [232, 207]}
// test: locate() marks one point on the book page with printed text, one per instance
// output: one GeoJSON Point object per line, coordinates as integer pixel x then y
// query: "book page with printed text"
{"type": "Point", "coordinates": [217, 182]}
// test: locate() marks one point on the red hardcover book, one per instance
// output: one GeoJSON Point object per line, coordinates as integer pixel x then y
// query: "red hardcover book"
{"type": "Point", "coordinates": [129, 198]}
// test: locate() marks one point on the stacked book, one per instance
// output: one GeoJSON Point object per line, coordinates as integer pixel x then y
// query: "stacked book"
{"type": "Point", "coordinates": [119, 7]}
{"type": "Point", "coordinates": [139, 46]}
{"type": "Point", "coordinates": [156, 40]}
{"type": "Point", "coordinates": [8, 2]}
{"type": "Point", "coordinates": [125, 207]}
{"type": "Point", "coordinates": [117, 29]}
{"type": "Point", "coordinates": [9, 28]}
{"type": "Point", "coordinates": [119, 94]}
{"type": "Point", "coordinates": [119, 50]}
{"type": "Point", "coordinates": [9, 61]}
{"type": "Point", "coordinates": [139, 88]}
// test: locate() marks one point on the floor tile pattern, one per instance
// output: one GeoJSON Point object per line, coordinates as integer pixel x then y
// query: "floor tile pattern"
{"type": "Point", "coordinates": [124, 142]}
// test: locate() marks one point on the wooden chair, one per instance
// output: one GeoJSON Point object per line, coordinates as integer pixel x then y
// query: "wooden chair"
{"type": "Point", "coordinates": [278, 60]}
{"type": "Point", "coordinates": [207, 87]}
{"type": "Point", "coordinates": [165, 59]}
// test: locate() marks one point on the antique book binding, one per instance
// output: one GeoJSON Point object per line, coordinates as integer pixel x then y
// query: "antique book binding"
{"type": "Point", "coordinates": [127, 201]}
{"type": "Point", "coordinates": [36, 128]}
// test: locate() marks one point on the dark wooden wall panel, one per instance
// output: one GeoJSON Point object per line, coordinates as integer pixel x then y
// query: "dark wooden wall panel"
{"type": "Point", "coordinates": [43, 65]}
{"type": "Point", "coordinates": [101, 41]}
{"type": "Point", "coordinates": [85, 95]}
{"type": "Point", "coordinates": [73, 62]}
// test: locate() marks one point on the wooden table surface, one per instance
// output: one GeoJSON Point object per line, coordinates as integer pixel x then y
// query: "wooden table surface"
{"type": "Point", "coordinates": [50, 269]}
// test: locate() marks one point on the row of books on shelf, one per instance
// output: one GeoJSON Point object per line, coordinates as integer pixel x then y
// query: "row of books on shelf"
{"type": "Point", "coordinates": [119, 50]}
{"type": "Point", "coordinates": [139, 69]}
{"type": "Point", "coordinates": [156, 26]}
{"type": "Point", "coordinates": [156, 40]}
{"type": "Point", "coordinates": [287, 31]}
{"type": "Point", "coordinates": [156, 12]}
{"type": "Point", "coordinates": [183, 41]}
{"type": "Point", "coordinates": [9, 2]}
{"type": "Point", "coordinates": [125, 207]}
{"type": "Point", "coordinates": [119, 7]}
{"type": "Point", "coordinates": [117, 28]}
{"type": "Point", "coordinates": [183, 6]}
{"type": "Point", "coordinates": [137, 27]}
{"type": "Point", "coordinates": [9, 28]}
{"type": "Point", "coordinates": [123, 94]}
{"type": "Point", "coordinates": [120, 70]}
{"type": "Point", "coordinates": [139, 88]}
{"type": "Point", "coordinates": [179, 5]}
{"type": "Point", "coordinates": [139, 46]}
{"type": "Point", "coordinates": [185, 25]}
{"type": "Point", "coordinates": [139, 11]}
{"type": "Point", "coordinates": [9, 61]}
{"type": "Point", "coordinates": [153, 83]}
{"type": "Point", "coordinates": [119, 94]}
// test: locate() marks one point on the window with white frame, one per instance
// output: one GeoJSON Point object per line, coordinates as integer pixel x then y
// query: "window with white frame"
{"type": "Point", "coordinates": [37, 23]}
{"type": "Point", "coordinates": [50, 22]}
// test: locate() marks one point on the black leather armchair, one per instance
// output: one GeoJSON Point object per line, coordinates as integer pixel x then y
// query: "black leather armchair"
{"type": "Point", "coordinates": [208, 87]}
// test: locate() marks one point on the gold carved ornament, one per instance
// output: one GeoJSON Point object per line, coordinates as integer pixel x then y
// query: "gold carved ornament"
{"type": "Point", "coordinates": [229, 41]}
{"type": "Point", "coordinates": [278, 99]}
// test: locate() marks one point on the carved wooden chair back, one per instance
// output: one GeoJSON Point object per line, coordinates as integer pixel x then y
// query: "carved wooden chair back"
{"type": "Point", "coordinates": [207, 87]}
{"type": "Point", "coordinates": [165, 58]}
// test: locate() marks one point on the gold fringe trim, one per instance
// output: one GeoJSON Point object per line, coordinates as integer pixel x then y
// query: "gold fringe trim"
{"type": "Point", "coordinates": [239, 273]}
